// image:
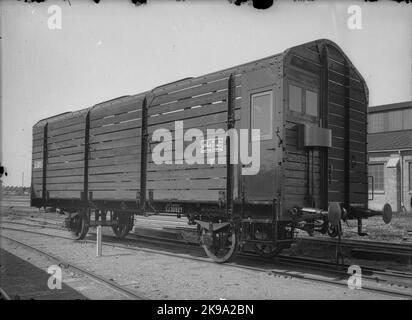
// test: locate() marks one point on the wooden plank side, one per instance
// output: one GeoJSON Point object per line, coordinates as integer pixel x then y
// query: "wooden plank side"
{"type": "Point", "coordinates": [66, 122]}
{"type": "Point", "coordinates": [219, 172]}
{"type": "Point", "coordinates": [299, 158]}
{"type": "Point", "coordinates": [335, 196]}
{"type": "Point", "coordinates": [123, 168]}
{"type": "Point", "coordinates": [63, 173]}
{"type": "Point", "coordinates": [65, 144]}
{"type": "Point", "coordinates": [37, 174]}
{"type": "Point", "coordinates": [305, 65]}
{"type": "Point", "coordinates": [200, 122]}
{"type": "Point", "coordinates": [152, 167]}
{"type": "Point", "coordinates": [38, 142]}
{"type": "Point", "coordinates": [132, 142]}
{"type": "Point", "coordinates": [64, 194]}
{"type": "Point", "coordinates": [73, 186]}
{"type": "Point", "coordinates": [300, 182]}
{"type": "Point", "coordinates": [65, 165]}
{"type": "Point", "coordinates": [119, 118]}
{"type": "Point", "coordinates": [310, 80]}
{"type": "Point", "coordinates": [340, 90]}
{"type": "Point", "coordinates": [114, 161]}
{"type": "Point", "coordinates": [114, 177]}
{"type": "Point", "coordinates": [340, 79]}
{"type": "Point", "coordinates": [38, 149]}
{"type": "Point", "coordinates": [297, 166]}
{"type": "Point", "coordinates": [37, 156]}
{"type": "Point", "coordinates": [66, 179]}
{"type": "Point", "coordinates": [186, 195]}
{"type": "Point", "coordinates": [334, 54]}
{"type": "Point", "coordinates": [38, 129]}
{"type": "Point", "coordinates": [190, 102]}
{"type": "Point", "coordinates": [305, 53]}
{"type": "Point", "coordinates": [115, 136]}
{"type": "Point", "coordinates": [336, 186]}
{"type": "Point", "coordinates": [188, 184]}
{"type": "Point", "coordinates": [116, 127]}
{"type": "Point", "coordinates": [114, 185]}
{"type": "Point", "coordinates": [220, 107]}
{"type": "Point", "coordinates": [66, 136]}
{"type": "Point", "coordinates": [126, 195]}
{"type": "Point", "coordinates": [356, 128]}
{"type": "Point", "coordinates": [360, 187]}
{"type": "Point", "coordinates": [192, 91]}
{"type": "Point", "coordinates": [358, 198]}
{"type": "Point", "coordinates": [114, 152]}
{"type": "Point", "coordinates": [340, 176]}
{"type": "Point", "coordinates": [354, 104]}
{"type": "Point", "coordinates": [124, 105]}
{"type": "Point", "coordinates": [340, 68]}
{"type": "Point", "coordinates": [299, 190]}
{"type": "Point", "coordinates": [65, 158]}
{"type": "Point", "coordinates": [55, 132]}
{"type": "Point", "coordinates": [171, 128]}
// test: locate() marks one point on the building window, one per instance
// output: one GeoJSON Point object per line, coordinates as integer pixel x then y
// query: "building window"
{"type": "Point", "coordinates": [261, 113]}
{"type": "Point", "coordinates": [311, 103]}
{"type": "Point", "coordinates": [377, 172]}
{"type": "Point", "coordinates": [410, 176]}
{"type": "Point", "coordinates": [295, 98]}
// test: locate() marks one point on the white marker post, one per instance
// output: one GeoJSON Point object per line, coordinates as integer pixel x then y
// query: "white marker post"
{"type": "Point", "coordinates": [99, 241]}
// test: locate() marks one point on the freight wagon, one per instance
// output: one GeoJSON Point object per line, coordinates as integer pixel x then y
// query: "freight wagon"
{"type": "Point", "coordinates": [102, 165]}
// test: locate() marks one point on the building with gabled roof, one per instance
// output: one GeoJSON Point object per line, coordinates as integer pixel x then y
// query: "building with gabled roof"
{"type": "Point", "coordinates": [390, 156]}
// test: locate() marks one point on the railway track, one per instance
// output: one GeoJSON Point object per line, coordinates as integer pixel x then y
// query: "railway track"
{"type": "Point", "coordinates": [403, 249]}
{"type": "Point", "coordinates": [396, 283]}
{"type": "Point", "coordinates": [126, 292]}
{"type": "Point", "coordinates": [363, 244]}
{"type": "Point", "coordinates": [360, 245]}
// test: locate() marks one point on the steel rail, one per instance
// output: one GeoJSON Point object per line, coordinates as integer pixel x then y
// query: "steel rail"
{"type": "Point", "coordinates": [4, 295]}
{"type": "Point", "coordinates": [361, 244]}
{"type": "Point", "coordinates": [111, 284]}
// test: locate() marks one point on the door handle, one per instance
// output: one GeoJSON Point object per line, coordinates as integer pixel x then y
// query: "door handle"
{"type": "Point", "coordinates": [279, 137]}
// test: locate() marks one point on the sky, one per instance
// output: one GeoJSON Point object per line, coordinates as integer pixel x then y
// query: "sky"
{"type": "Point", "coordinates": [111, 49]}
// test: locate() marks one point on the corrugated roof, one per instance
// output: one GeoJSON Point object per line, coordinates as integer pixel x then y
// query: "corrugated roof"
{"type": "Point", "coordinates": [389, 107]}
{"type": "Point", "coordinates": [390, 140]}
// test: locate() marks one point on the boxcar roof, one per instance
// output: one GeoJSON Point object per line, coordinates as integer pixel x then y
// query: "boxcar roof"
{"type": "Point", "coordinates": [176, 85]}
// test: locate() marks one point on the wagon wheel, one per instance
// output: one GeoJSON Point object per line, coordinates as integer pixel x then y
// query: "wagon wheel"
{"type": "Point", "coordinates": [268, 249]}
{"type": "Point", "coordinates": [79, 226]}
{"type": "Point", "coordinates": [122, 228]}
{"type": "Point", "coordinates": [223, 247]}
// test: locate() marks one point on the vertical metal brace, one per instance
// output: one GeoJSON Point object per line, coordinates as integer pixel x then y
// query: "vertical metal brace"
{"type": "Point", "coordinates": [45, 156]}
{"type": "Point", "coordinates": [85, 194]}
{"type": "Point", "coordinates": [143, 162]}
{"type": "Point", "coordinates": [347, 137]}
{"type": "Point", "coordinates": [324, 115]}
{"type": "Point", "coordinates": [229, 165]}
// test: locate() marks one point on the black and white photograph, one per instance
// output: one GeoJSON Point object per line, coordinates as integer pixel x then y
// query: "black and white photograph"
{"type": "Point", "coordinates": [205, 154]}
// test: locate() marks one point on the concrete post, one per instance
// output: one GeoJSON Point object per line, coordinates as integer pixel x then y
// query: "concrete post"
{"type": "Point", "coordinates": [99, 241]}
